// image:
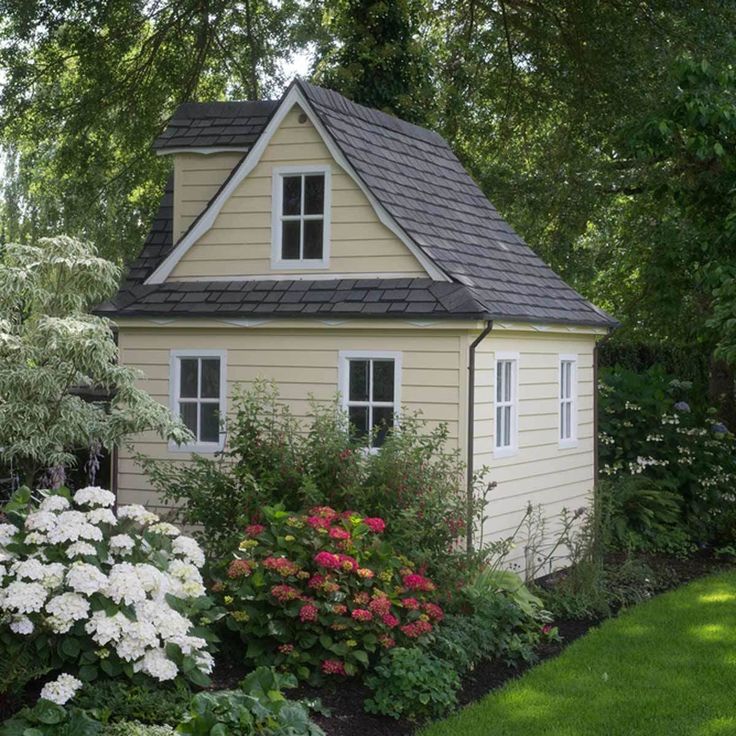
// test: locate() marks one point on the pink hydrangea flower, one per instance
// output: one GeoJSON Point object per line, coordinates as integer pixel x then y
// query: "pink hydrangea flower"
{"type": "Point", "coordinates": [360, 614]}
{"type": "Point", "coordinates": [338, 533]}
{"type": "Point", "coordinates": [412, 581]}
{"type": "Point", "coordinates": [390, 620]}
{"type": "Point", "coordinates": [416, 629]}
{"type": "Point", "coordinates": [253, 530]}
{"type": "Point", "coordinates": [333, 667]}
{"type": "Point", "coordinates": [328, 560]}
{"type": "Point", "coordinates": [308, 613]}
{"type": "Point", "coordinates": [376, 525]}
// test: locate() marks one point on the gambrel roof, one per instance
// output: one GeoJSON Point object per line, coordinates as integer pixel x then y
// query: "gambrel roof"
{"type": "Point", "coordinates": [414, 180]}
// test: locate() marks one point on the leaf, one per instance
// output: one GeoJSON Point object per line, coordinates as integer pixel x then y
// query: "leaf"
{"type": "Point", "coordinates": [88, 673]}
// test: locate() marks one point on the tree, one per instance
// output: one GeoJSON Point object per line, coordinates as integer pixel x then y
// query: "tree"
{"type": "Point", "coordinates": [51, 347]}
{"type": "Point", "coordinates": [89, 84]}
{"type": "Point", "coordinates": [375, 57]}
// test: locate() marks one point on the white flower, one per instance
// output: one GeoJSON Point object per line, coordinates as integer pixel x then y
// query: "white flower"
{"type": "Point", "coordinates": [41, 521]}
{"type": "Point", "coordinates": [188, 644]}
{"type": "Point", "coordinates": [186, 582]}
{"type": "Point", "coordinates": [205, 661]}
{"type": "Point", "coordinates": [7, 532]}
{"type": "Point", "coordinates": [85, 578]}
{"type": "Point", "coordinates": [104, 628]}
{"type": "Point", "coordinates": [65, 609]}
{"type": "Point", "coordinates": [91, 532]}
{"type": "Point", "coordinates": [156, 664]}
{"type": "Point", "coordinates": [163, 527]}
{"type": "Point", "coordinates": [138, 513]}
{"type": "Point", "coordinates": [68, 525]}
{"type": "Point", "coordinates": [54, 503]}
{"type": "Point", "coordinates": [22, 625]}
{"type": "Point", "coordinates": [35, 538]}
{"type": "Point", "coordinates": [94, 496]}
{"type": "Point", "coordinates": [79, 549]}
{"type": "Point", "coordinates": [188, 548]}
{"type": "Point", "coordinates": [169, 624]}
{"type": "Point", "coordinates": [53, 575]}
{"type": "Point", "coordinates": [137, 637]}
{"type": "Point", "coordinates": [29, 569]}
{"type": "Point", "coordinates": [61, 690]}
{"type": "Point", "coordinates": [24, 597]}
{"type": "Point", "coordinates": [124, 584]}
{"type": "Point", "coordinates": [154, 582]}
{"type": "Point", "coordinates": [121, 544]}
{"type": "Point", "coordinates": [6, 555]}
{"type": "Point", "coordinates": [102, 516]}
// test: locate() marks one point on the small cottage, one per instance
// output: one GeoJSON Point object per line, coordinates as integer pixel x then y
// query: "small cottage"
{"type": "Point", "coordinates": [331, 247]}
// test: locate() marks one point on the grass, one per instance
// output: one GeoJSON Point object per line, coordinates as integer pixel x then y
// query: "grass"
{"type": "Point", "coordinates": [664, 668]}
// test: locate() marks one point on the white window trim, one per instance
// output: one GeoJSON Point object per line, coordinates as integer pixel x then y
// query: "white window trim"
{"type": "Point", "coordinates": [513, 448]}
{"type": "Point", "coordinates": [571, 441]}
{"type": "Point", "coordinates": [343, 378]}
{"type": "Point", "coordinates": [278, 172]}
{"type": "Point", "coordinates": [174, 384]}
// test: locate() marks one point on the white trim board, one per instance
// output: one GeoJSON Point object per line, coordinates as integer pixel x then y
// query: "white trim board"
{"type": "Point", "coordinates": [249, 162]}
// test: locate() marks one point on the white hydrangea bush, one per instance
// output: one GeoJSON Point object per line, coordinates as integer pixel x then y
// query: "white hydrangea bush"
{"type": "Point", "coordinates": [116, 592]}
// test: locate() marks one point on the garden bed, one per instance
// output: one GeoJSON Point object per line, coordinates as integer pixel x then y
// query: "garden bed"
{"type": "Point", "coordinates": [345, 702]}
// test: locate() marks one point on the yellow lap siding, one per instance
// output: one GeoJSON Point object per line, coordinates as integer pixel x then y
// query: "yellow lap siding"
{"type": "Point", "coordinates": [239, 243]}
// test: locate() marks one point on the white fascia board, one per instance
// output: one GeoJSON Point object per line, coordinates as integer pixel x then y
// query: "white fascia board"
{"type": "Point", "coordinates": [207, 219]}
{"type": "Point", "coordinates": [204, 150]}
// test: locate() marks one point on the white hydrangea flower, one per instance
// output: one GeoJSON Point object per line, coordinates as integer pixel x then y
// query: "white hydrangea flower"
{"type": "Point", "coordinates": [102, 516]}
{"type": "Point", "coordinates": [53, 575]}
{"type": "Point", "coordinates": [169, 624]}
{"type": "Point", "coordinates": [24, 597]}
{"type": "Point", "coordinates": [138, 513]}
{"type": "Point", "coordinates": [28, 569]}
{"type": "Point", "coordinates": [205, 661]}
{"type": "Point", "coordinates": [188, 548]}
{"type": "Point", "coordinates": [121, 544]}
{"type": "Point", "coordinates": [79, 549]}
{"type": "Point", "coordinates": [154, 582]}
{"type": "Point", "coordinates": [94, 496]}
{"type": "Point", "coordinates": [105, 629]}
{"type": "Point", "coordinates": [124, 585]}
{"type": "Point", "coordinates": [137, 637]}
{"type": "Point", "coordinates": [68, 525]}
{"type": "Point", "coordinates": [22, 625]}
{"type": "Point", "coordinates": [36, 538]}
{"type": "Point", "coordinates": [85, 578]}
{"type": "Point", "coordinates": [186, 581]}
{"type": "Point", "coordinates": [91, 532]}
{"type": "Point", "coordinates": [41, 521]}
{"type": "Point", "coordinates": [163, 527]}
{"type": "Point", "coordinates": [7, 532]}
{"type": "Point", "coordinates": [6, 555]}
{"type": "Point", "coordinates": [65, 609]}
{"type": "Point", "coordinates": [61, 690]}
{"type": "Point", "coordinates": [54, 503]}
{"type": "Point", "coordinates": [156, 664]}
{"type": "Point", "coordinates": [188, 644]}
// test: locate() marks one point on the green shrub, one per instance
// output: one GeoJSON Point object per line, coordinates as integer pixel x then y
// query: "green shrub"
{"type": "Point", "coordinates": [412, 683]}
{"type": "Point", "coordinates": [649, 429]}
{"type": "Point", "coordinates": [319, 594]}
{"type": "Point", "coordinates": [272, 458]}
{"type": "Point", "coordinates": [135, 728]}
{"type": "Point", "coordinates": [122, 700]}
{"type": "Point", "coordinates": [257, 708]}
{"type": "Point", "coordinates": [49, 719]}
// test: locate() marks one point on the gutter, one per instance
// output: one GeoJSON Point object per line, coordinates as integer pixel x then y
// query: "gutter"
{"type": "Point", "coordinates": [471, 432]}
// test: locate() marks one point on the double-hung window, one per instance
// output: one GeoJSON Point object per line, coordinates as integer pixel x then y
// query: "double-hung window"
{"type": "Point", "coordinates": [301, 217]}
{"type": "Point", "coordinates": [370, 389]}
{"type": "Point", "coordinates": [198, 396]}
{"type": "Point", "coordinates": [506, 404]}
{"type": "Point", "coordinates": [568, 400]}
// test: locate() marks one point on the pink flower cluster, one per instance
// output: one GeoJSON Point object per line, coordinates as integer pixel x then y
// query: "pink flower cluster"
{"type": "Point", "coordinates": [308, 612]}
{"type": "Point", "coordinates": [253, 530]}
{"type": "Point", "coordinates": [285, 593]}
{"type": "Point", "coordinates": [360, 614]}
{"type": "Point", "coordinates": [416, 629]}
{"type": "Point", "coordinates": [413, 581]}
{"type": "Point", "coordinates": [333, 561]}
{"type": "Point", "coordinates": [239, 569]}
{"type": "Point", "coordinates": [281, 565]}
{"type": "Point", "coordinates": [333, 667]}
{"type": "Point", "coordinates": [376, 525]}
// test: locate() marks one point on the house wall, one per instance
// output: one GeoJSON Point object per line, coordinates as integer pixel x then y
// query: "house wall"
{"type": "Point", "coordinates": [540, 472]}
{"type": "Point", "coordinates": [239, 243]}
{"type": "Point", "coordinates": [197, 177]}
{"type": "Point", "coordinates": [303, 361]}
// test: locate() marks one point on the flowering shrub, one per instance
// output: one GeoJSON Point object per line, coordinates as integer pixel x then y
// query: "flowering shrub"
{"type": "Point", "coordinates": [649, 430]}
{"type": "Point", "coordinates": [318, 593]}
{"type": "Point", "coordinates": [98, 591]}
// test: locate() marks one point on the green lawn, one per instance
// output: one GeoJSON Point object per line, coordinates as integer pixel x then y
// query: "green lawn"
{"type": "Point", "coordinates": [667, 667]}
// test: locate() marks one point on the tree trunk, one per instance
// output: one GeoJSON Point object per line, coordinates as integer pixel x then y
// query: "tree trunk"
{"type": "Point", "coordinates": [721, 391]}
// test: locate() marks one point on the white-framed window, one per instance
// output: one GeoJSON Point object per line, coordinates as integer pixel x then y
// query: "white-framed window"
{"type": "Point", "coordinates": [370, 389]}
{"type": "Point", "coordinates": [506, 404]}
{"type": "Point", "coordinates": [198, 386]}
{"type": "Point", "coordinates": [568, 395]}
{"type": "Point", "coordinates": [300, 223]}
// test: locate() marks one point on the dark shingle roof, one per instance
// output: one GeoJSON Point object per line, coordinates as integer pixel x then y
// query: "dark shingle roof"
{"type": "Point", "coordinates": [417, 178]}
{"type": "Point", "coordinates": [218, 124]}
{"type": "Point", "coordinates": [339, 298]}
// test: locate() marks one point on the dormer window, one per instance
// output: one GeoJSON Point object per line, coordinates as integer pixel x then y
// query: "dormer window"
{"type": "Point", "coordinates": [301, 215]}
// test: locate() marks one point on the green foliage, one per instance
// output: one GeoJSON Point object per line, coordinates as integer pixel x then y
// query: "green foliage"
{"type": "Point", "coordinates": [50, 347]}
{"type": "Point", "coordinates": [121, 700]}
{"type": "Point", "coordinates": [375, 56]}
{"type": "Point", "coordinates": [258, 707]}
{"type": "Point", "coordinates": [414, 482]}
{"type": "Point", "coordinates": [651, 430]}
{"type": "Point", "coordinates": [412, 683]}
{"type": "Point", "coordinates": [49, 719]}
{"type": "Point", "coordinates": [134, 728]}
{"type": "Point", "coordinates": [322, 594]}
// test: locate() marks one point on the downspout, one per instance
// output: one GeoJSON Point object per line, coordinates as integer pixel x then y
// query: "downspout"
{"type": "Point", "coordinates": [471, 432]}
